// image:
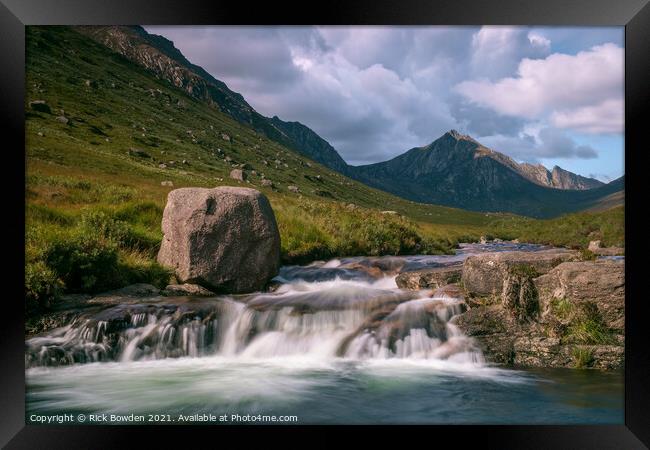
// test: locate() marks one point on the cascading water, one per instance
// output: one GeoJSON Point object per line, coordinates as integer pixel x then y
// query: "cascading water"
{"type": "Point", "coordinates": [318, 319]}
{"type": "Point", "coordinates": [335, 342]}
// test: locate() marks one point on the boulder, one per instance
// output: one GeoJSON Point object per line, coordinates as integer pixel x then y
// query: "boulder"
{"type": "Point", "coordinates": [238, 174]}
{"type": "Point", "coordinates": [484, 274]}
{"type": "Point", "coordinates": [600, 282]}
{"type": "Point", "coordinates": [594, 245]}
{"type": "Point", "coordinates": [429, 278]}
{"type": "Point", "coordinates": [225, 239]}
{"type": "Point", "coordinates": [41, 106]}
{"type": "Point", "coordinates": [167, 183]}
{"type": "Point", "coordinates": [267, 183]}
{"type": "Point", "coordinates": [63, 119]}
{"type": "Point", "coordinates": [597, 248]}
{"type": "Point", "coordinates": [293, 189]}
{"type": "Point", "coordinates": [187, 289]}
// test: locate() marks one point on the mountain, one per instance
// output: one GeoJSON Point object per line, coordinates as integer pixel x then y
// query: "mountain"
{"type": "Point", "coordinates": [557, 177]}
{"type": "Point", "coordinates": [159, 55]}
{"type": "Point", "coordinates": [456, 170]}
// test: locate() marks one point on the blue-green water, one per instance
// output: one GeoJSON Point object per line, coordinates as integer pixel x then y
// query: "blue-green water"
{"type": "Point", "coordinates": [342, 392]}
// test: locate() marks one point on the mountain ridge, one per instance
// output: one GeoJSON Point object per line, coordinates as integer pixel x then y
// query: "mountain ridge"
{"type": "Point", "coordinates": [159, 55]}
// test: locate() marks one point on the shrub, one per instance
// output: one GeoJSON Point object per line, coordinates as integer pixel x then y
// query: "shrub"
{"type": "Point", "coordinates": [42, 285]}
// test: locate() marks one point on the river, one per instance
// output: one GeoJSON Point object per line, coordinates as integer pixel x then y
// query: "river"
{"type": "Point", "coordinates": [335, 342]}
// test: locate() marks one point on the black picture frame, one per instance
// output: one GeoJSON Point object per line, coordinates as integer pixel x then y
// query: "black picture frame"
{"type": "Point", "coordinates": [15, 14]}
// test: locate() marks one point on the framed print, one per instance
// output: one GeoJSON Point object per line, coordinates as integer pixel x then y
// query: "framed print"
{"type": "Point", "coordinates": [380, 218]}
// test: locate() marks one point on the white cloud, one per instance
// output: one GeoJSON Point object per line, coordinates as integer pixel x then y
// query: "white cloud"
{"type": "Point", "coordinates": [605, 117]}
{"type": "Point", "coordinates": [588, 84]}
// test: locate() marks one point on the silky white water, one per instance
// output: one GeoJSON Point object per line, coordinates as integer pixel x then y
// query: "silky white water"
{"type": "Point", "coordinates": [332, 344]}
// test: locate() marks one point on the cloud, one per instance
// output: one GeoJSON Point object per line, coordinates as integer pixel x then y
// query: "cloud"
{"type": "Point", "coordinates": [549, 144]}
{"type": "Point", "coordinates": [374, 92]}
{"type": "Point", "coordinates": [587, 84]}
{"type": "Point", "coordinates": [605, 117]}
{"type": "Point", "coordinates": [497, 51]}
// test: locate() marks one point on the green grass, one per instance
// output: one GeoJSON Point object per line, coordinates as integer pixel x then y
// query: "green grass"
{"type": "Point", "coordinates": [94, 207]}
{"type": "Point", "coordinates": [584, 323]}
{"type": "Point", "coordinates": [572, 230]}
{"type": "Point", "coordinates": [582, 357]}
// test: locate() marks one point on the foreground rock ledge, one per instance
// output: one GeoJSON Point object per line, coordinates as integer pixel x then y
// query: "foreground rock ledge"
{"type": "Point", "coordinates": [225, 239]}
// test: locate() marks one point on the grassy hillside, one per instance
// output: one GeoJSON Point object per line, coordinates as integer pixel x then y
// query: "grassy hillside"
{"type": "Point", "coordinates": [109, 134]}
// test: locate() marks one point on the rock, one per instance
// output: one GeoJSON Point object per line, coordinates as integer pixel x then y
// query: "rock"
{"type": "Point", "coordinates": [225, 239]}
{"type": "Point", "coordinates": [167, 183]}
{"type": "Point", "coordinates": [138, 290]}
{"type": "Point", "coordinates": [187, 289]}
{"type": "Point", "coordinates": [267, 182]}
{"type": "Point", "coordinates": [41, 106]}
{"type": "Point", "coordinates": [90, 83]}
{"type": "Point", "coordinates": [520, 296]}
{"type": "Point", "coordinates": [429, 278]}
{"type": "Point", "coordinates": [63, 119]}
{"type": "Point", "coordinates": [594, 245]}
{"type": "Point", "coordinates": [162, 166]}
{"type": "Point", "coordinates": [485, 273]}
{"type": "Point", "coordinates": [238, 174]}
{"type": "Point", "coordinates": [389, 212]}
{"type": "Point", "coordinates": [449, 291]}
{"type": "Point", "coordinates": [599, 282]}
{"type": "Point", "coordinates": [293, 189]}
{"type": "Point", "coordinates": [225, 137]}
{"type": "Point", "coordinates": [138, 153]}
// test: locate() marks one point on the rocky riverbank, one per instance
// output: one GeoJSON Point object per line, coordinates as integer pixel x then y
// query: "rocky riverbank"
{"type": "Point", "coordinates": [538, 309]}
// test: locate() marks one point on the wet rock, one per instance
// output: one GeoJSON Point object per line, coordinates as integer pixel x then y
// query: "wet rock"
{"type": "Point", "coordinates": [225, 239]}
{"type": "Point", "coordinates": [429, 278]}
{"type": "Point", "coordinates": [485, 274]}
{"type": "Point", "coordinates": [187, 289]}
{"type": "Point", "coordinates": [133, 290]}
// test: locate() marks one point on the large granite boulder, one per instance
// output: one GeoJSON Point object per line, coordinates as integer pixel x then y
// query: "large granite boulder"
{"type": "Point", "coordinates": [225, 239]}
{"type": "Point", "coordinates": [484, 274]}
{"type": "Point", "coordinates": [429, 278]}
{"type": "Point", "coordinates": [601, 283]}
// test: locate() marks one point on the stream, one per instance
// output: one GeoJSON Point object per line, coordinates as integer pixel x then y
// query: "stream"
{"type": "Point", "coordinates": [335, 342]}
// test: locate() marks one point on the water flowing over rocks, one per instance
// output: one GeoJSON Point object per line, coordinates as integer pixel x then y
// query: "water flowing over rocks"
{"type": "Point", "coordinates": [225, 239]}
{"type": "Point", "coordinates": [571, 315]}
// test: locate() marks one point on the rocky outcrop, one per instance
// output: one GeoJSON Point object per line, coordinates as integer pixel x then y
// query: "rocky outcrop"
{"type": "Point", "coordinates": [429, 278]}
{"type": "Point", "coordinates": [225, 239]}
{"type": "Point", "coordinates": [485, 274]}
{"type": "Point", "coordinates": [601, 283]}
{"type": "Point", "coordinates": [571, 316]}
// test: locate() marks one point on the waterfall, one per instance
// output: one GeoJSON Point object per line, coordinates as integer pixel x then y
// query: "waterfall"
{"type": "Point", "coordinates": [336, 318]}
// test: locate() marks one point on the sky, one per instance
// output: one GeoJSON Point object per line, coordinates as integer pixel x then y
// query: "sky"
{"type": "Point", "coordinates": [549, 95]}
